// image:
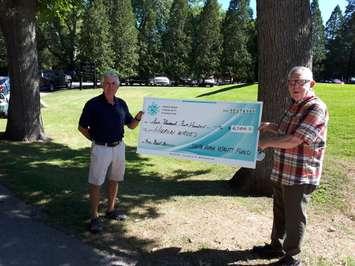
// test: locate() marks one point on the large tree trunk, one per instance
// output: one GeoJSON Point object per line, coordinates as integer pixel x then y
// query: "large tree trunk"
{"type": "Point", "coordinates": [284, 41]}
{"type": "Point", "coordinates": [17, 22]}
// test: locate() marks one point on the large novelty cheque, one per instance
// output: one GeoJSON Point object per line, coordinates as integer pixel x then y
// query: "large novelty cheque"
{"type": "Point", "coordinates": [218, 132]}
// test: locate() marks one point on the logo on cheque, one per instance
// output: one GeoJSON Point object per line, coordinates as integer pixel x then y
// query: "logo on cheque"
{"type": "Point", "coordinates": [153, 109]}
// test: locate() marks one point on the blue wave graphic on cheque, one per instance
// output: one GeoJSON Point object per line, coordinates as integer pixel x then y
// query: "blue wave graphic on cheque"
{"type": "Point", "coordinates": [213, 136]}
{"type": "Point", "coordinates": [223, 137]}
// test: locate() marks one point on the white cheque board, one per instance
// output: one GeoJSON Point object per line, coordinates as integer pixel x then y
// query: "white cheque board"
{"type": "Point", "coordinates": [219, 132]}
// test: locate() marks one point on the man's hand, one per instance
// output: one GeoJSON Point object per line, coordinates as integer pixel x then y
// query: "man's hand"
{"type": "Point", "coordinates": [85, 132]}
{"type": "Point", "coordinates": [262, 144]}
{"type": "Point", "coordinates": [268, 127]}
{"type": "Point", "coordinates": [139, 115]}
{"type": "Point", "coordinates": [136, 120]}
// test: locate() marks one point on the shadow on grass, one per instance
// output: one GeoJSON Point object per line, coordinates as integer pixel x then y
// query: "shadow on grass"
{"type": "Point", "coordinates": [53, 177]}
{"type": "Point", "coordinates": [173, 256]}
{"type": "Point", "coordinates": [234, 87]}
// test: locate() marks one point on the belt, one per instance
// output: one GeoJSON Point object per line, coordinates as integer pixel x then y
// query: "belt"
{"type": "Point", "coordinates": [108, 144]}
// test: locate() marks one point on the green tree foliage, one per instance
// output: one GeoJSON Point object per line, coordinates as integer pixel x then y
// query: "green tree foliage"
{"type": "Point", "coordinates": [334, 24]}
{"type": "Point", "coordinates": [58, 25]}
{"type": "Point", "coordinates": [177, 41]}
{"type": "Point", "coordinates": [253, 48]}
{"type": "Point", "coordinates": [196, 6]}
{"type": "Point", "coordinates": [340, 43]}
{"type": "Point", "coordinates": [161, 8]}
{"type": "Point", "coordinates": [333, 62]}
{"type": "Point", "coordinates": [95, 37]}
{"type": "Point", "coordinates": [124, 38]}
{"type": "Point", "coordinates": [348, 40]}
{"type": "Point", "coordinates": [236, 58]}
{"type": "Point", "coordinates": [208, 41]}
{"type": "Point", "coordinates": [149, 45]}
{"type": "Point", "coordinates": [349, 11]}
{"type": "Point", "coordinates": [318, 39]}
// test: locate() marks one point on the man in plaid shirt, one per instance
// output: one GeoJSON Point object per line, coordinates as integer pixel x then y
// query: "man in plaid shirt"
{"type": "Point", "coordinates": [299, 145]}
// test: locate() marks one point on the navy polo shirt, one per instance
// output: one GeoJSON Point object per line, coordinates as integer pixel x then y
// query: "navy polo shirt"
{"type": "Point", "coordinates": [104, 120]}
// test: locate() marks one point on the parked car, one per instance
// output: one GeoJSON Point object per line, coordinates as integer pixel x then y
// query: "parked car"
{"type": "Point", "coordinates": [337, 81]}
{"type": "Point", "coordinates": [4, 104]}
{"type": "Point", "coordinates": [160, 81]}
{"type": "Point", "coordinates": [5, 85]}
{"type": "Point", "coordinates": [184, 82]}
{"type": "Point", "coordinates": [209, 82]}
{"type": "Point", "coordinates": [135, 80]}
{"type": "Point", "coordinates": [51, 80]}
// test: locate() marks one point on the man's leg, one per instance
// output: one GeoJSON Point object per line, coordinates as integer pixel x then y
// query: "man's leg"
{"type": "Point", "coordinates": [296, 199]}
{"type": "Point", "coordinates": [274, 250]}
{"type": "Point", "coordinates": [112, 188]}
{"type": "Point", "coordinates": [278, 226]}
{"type": "Point", "coordinates": [95, 224]}
{"type": "Point", "coordinates": [94, 192]}
{"type": "Point", "coordinates": [99, 162]}
{"type": "Point", "coordinates": [115, 174]}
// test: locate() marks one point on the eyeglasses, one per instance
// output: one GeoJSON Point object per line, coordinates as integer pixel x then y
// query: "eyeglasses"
{"type": "Point", "coordinates": [299, 82]}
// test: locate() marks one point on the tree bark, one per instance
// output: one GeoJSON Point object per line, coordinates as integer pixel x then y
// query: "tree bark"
{"type": "Point", "coordinates": [284, 41]}
{"type": "Point", "coordinates": [18, 25]}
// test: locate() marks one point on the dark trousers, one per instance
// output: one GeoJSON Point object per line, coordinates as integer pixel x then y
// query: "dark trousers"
{"type": "Point", "coordinates": [290, 216]}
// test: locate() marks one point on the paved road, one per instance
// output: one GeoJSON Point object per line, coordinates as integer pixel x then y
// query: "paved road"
{"type": "Point", "coordinates": [26, 241]}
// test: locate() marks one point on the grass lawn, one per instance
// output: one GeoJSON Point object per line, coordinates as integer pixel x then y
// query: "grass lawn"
{"type": "Point", "coordinates": [179, 209]}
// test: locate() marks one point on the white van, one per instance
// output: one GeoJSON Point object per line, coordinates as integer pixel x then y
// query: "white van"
{"type": "Point", "coordinates": [160, 81]}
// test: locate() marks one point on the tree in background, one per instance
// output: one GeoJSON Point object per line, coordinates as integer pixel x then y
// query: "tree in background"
{"type": "Point", "coordinates": [160, 7]}
{"type": "Point", "coordinates": [58, 25]}
{"type": "Point", "coordinates": [318, 40]}
{"type": "Point", "coordinates": [124, 38]}
{"type": "Point", "coordinates": [18, 25]}
{"type": "Point", "coordinates": [334, 24]}
{"type": "Point", "coordinates": [177, 41]}
{"type": "Point", "coordinates": [149, 41]}
{"type": "Point", "coordinates": [236, 58]}
{"type": "Point", "coordinates": [348, 40]}
{"type": "Point", "coordinates": [333, 64]}
{"type": "Point", "coordinates": [208, 41]}
{"type": "Point", "coordinates": [289, 46]}
{"type": "Point", "coordinates": [253, 49]}
{"type": "Point", "coordinates": [95, 36]}
{"type": "Point", "coordinates": [340, 43]}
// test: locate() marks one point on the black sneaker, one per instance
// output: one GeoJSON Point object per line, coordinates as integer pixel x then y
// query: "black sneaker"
{"type": "Point", "coordinates": [116, 214]}
{"type": "Point", "coordinates": [95, 226]}
{"type": "Point", "coordinates": [268, 251]}
{"type": "Point", "coordinates": [287, 260]}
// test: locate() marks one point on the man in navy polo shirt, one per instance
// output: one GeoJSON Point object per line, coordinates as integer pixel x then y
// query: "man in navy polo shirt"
{"type": "Point", "coordinates": [102, 122]}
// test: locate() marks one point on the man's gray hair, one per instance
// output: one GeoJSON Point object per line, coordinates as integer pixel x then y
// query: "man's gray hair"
{"type": "Point", "coordinates": [111, 74]}
{"type": "Point", "coordinates": [301, 70]}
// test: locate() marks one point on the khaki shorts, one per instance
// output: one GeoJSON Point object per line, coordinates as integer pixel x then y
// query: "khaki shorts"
{"type": "Point", "coordinates": [106, 162]}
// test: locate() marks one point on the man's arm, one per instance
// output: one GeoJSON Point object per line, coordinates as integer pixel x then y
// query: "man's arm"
{"type": "Point", "coordinates": [282, 142]}
{"type": "Point", "coordinates": [85, 132]}
{"type": "Point", "coordinates": [135, 120]}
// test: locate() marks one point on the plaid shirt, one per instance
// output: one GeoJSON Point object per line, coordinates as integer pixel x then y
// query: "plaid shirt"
{"type": "Point", "coordinates": [306, 119]}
